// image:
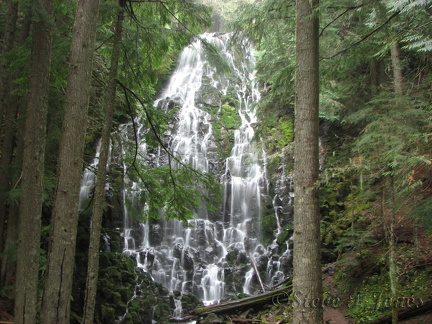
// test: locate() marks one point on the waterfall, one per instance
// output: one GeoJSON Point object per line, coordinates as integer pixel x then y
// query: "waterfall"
{"type": "Point", "coordinates": [210, 256]}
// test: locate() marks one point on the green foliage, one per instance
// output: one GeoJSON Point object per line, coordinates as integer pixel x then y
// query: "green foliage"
{"type": "Point", "coordinates": [370, 297]}
{"type": "Point", "coordinates": [274, 49]}
{"type": "Point", "coordinates": [276, 132]}
{"type": "Point", "coordinates": [229, 116]}
{"type": "Point", "coordinates": [215, 58]}
{"type": "Point", "coordinates": [268, 225]}
{"type": "Point", "coordinates": [176, 190]}
{"type": "Point", "coordinates": [285, 234]}
{"type": "Point", "coordinates": [394, 131]}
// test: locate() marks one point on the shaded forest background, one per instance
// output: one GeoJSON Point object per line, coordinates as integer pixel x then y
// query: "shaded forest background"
{"type": "Point", "coordinates": [375, 125]}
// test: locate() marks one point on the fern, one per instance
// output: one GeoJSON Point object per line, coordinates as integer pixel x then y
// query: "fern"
{"type": "Point", "coordinates": [407, 5]}
{"type": "Point", "coordinates": [418, 43]}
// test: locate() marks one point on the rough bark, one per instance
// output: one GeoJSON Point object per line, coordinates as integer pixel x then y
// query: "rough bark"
{"type": "Point", "coordinates": [307, 278]}
{"type": "Point", "coordinates": [12, 152]}
{"type": "Point", "coordinates": [33, 168]}
{"type": "Point", "coordinates": [7, 43]}
{"type": "Point", "coordinates": [60, 265]}
{"type": "Point", "coordinates": [99, 199]}
{"type": "Point", "coordinates": [6, 156]}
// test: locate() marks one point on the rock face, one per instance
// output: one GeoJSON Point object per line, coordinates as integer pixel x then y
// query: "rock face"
{"type": "Point", "coordinates": [213, 130]}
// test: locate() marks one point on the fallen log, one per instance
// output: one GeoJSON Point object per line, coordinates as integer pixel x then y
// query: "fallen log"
{"type": "Point", "coordinates": [273, 296]}
{"type": "Point", "coordinates": [424, 308]}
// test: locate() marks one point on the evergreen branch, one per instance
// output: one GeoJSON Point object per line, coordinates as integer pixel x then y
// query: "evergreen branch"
{"type": "Point", "coordinates": [362, 39]}
{"type": "Point", "coordinates": [175, 17]}
{"type": "Point", "coordinates": [338, 16]}
{"type": "Point", "coordinates": [133, 124]}
{"type": "Point", "coordinates": [154, 130]}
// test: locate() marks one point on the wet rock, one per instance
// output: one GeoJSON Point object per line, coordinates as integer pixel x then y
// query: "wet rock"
{"type": "Point", "coordinates": [212, 319]}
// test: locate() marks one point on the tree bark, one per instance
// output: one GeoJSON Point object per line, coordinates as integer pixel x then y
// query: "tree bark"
{"type": "Point", "coordinates": [307, 278]}
{"type": "Point", "coordinates": [59, 272]}
{"type": "Point", "coordinates": [398, 88]}
{"type": "Point", "coordinates": [5, 133]}
{"type": "Point", "coordinates": [12, 152]}
{"type": "Point", "coordinates": [8, 39]}
{"type": "Point", "coordinates": [99, 200]}
{"type": "Point", "coordinates": [33, 168]}
{"type": "Point", "coordinates": [397, 68]}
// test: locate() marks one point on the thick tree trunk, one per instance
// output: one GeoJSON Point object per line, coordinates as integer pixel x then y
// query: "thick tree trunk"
{"type": "Point", "coordinates": [8, 39]}
{"type": "Point", "coordinates": [60, 265]}
{"type": "Point", "coordinates": [12, 152]}
{"type": "Point", "coordinates": [99, 200]}
{"type": "Point", "coordinates": [33, 168]}
{"type": "Point", "coordinates": [5, 133]}
{"type": "Point", "coordinates": [307, 279]}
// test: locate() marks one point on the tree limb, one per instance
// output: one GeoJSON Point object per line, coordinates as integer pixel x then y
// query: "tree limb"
{"type": "Point", "coordinates": [338, 16]}
{"type": "Point", "coordinates": [362, 39]}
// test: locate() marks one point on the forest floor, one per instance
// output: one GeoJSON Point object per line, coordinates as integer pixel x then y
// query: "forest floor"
{"type": "Point", "coordinates": [357, 275]}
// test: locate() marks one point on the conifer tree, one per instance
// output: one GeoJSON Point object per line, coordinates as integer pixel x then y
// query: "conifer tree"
{"type": "Point", "coordinates": [26, 302]}
{"type": "Point", "coordinates": [307, 281]}
{"type": "Point", "coordinates": [99, 200]}
{"type": "Point", "coordinates": [59, 273]}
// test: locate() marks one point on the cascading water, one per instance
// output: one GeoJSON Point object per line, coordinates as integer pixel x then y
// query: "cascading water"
{"type": "Point", "coordinates": [211, 256]}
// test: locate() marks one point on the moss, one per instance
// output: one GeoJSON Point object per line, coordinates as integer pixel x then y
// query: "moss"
{"type": "Point", "coordinates": [268, 226]}
{"type": "Point", "coordinates": [277, 133]}
{"type": "Point", "coordinates": [285, 234]}
{"type": "Point", "coordinates": [190, 302]}
{"type": "Point", "coordinates": [229, 116]}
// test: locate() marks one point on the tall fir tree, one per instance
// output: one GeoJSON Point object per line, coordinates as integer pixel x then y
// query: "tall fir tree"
{"type": "Point", "coordinates": [307, 281]}
{"type": "Point", "coordinates": [64, 221]}
{"type": "Point", "coordinates": [29, 226]}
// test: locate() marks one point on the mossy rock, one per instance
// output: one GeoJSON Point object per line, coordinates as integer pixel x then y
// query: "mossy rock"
{"type": "Point", "coordinates": [229, 116]}
{"type": "Point", "coordinates": [268, 226]}
{"type": "Point", "coordinates": [212, 318]}
{"type": "Point", "coordinates": [190, 302]}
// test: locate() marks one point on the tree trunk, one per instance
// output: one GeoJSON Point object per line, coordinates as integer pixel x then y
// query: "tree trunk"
{"type": "Point", "coordinates": [307, 278]}
{"type": "Point", "coordinates": [6, 156]}
{"type": "Point", "coordinates": [397, 68]}
{"type": "Point", "coordinates": [12, 152]}
{"type": "Point", "coordinates": [392, 254]}
{"type": "Point", "coordinates": [99, 199]}
{"type": "Point", "coordinates": [33, 168]}
{"type": "Point", "coordinates": [398, 88]}
{"type": "Point", "coordinates": [60, 265]}
{"type": "Point", "coordinates": [8, 39]}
